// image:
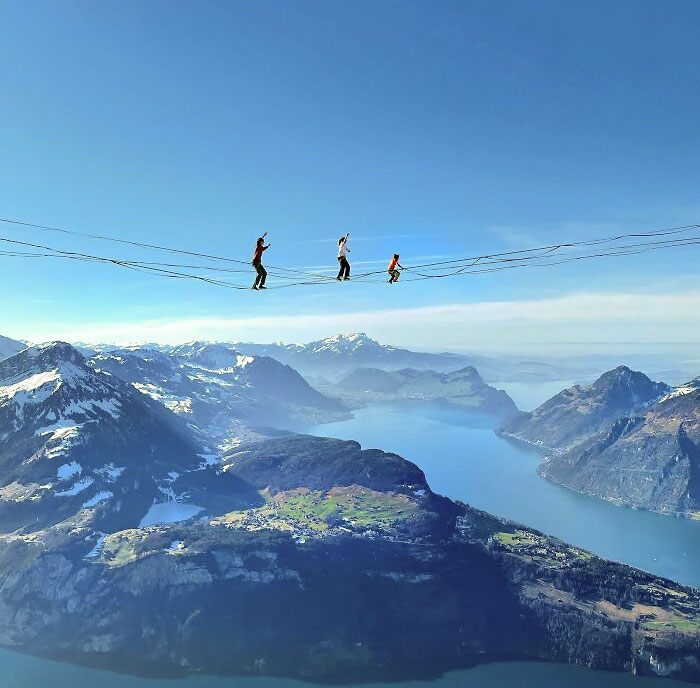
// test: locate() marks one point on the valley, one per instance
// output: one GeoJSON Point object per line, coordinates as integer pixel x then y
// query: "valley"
{"type": "Point", "coordinates": [280, 521]}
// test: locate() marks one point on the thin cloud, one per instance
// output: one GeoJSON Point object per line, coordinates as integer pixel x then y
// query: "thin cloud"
{"type": "Point", "coordinates": [614, 317]}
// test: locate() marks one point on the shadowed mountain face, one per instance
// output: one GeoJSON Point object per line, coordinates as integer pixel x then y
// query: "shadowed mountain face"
{"type": "Point", "coordinates": [625, 439]}
{"type": "Point", "coordinates": [321, 463]}
{"type": "Point", "coordinates": [74, 439]}
{"type": "Point", "coordinates": [219, 391]}
{"type": "Point", "coordinates": [294, 556]}
{"type": "Point", "coordinates": [583, 411]}
{"type": "Point", "coordinates": [463, 387]}
{"type": "Point", "coordinates": [650, 460]}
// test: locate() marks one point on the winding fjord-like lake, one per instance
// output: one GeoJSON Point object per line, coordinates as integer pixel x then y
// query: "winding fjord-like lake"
{"type": "Point", "coordinates": [465, 460]}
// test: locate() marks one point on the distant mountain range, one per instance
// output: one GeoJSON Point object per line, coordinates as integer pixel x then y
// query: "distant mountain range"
{"type": "Point", "coordinates": [463, 388]}
{"type": "Point", "coordinates": [625, 439]}
{"type": "Point", "coordinates": [328, 360]}
{"type": "Point", "coordinates": [335, 357]}
{"type": "Point", "coordinates": [123, 546]}
{"type": "Point", "coordinates": [218, 391]}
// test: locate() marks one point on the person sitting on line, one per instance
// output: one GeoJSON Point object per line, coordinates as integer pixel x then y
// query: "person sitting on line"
{"type": "Point", "coordinates": [343, 250]}
{"type": "Point", "coordinates": [257, 263]}
{"type": "Point", "coordinates": [393, 272]}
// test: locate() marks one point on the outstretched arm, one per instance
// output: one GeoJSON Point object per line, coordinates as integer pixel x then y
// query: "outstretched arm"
{"type": "Point", "coordinates": [264, 235]}
{"type": "Point", "coordinates": [266, 247]}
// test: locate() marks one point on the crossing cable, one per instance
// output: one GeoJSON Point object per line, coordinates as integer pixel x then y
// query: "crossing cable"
{"type": "Point", "coordinates": [561, 261]}
{"type": "Point", "coordinates": [553, 247]}
{"type": "Point", "coordinates": [615, 250]}
{"type": "Point", "coordinates": [549, 248]}
{"type": "Point", "coordinates": [75, 255]}
{"type": "Point", "coordinates": [482, 267]}
{"type": "Point", "coordinates": [140, 244]}
{"type": "Point", "coordinates": [519, 258]}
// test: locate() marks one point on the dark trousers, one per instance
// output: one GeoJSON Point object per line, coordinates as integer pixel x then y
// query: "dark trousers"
{"type": "Point", "coordinates": [394, 275]}
{"type": "Point", "coordinates": [344, 268]}
{"type": "Point", "coordinates": [261, 276]}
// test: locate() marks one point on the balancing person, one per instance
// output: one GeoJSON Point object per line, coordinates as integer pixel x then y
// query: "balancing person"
{"type": "Point", "coordinates": [257, 263]}
{"type": "Point", "coordinates": [343, 250]}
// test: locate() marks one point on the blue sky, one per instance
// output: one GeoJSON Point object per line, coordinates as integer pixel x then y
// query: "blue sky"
{"type": "Point", "coordinates": [429, 128]}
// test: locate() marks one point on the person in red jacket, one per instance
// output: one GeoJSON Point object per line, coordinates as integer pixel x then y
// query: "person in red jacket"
{"type": "Point", "coordinates": [257, 263]}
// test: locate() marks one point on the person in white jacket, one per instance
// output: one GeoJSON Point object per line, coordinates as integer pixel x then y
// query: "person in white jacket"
{"type": "Point", "coordinates": [343, 250]}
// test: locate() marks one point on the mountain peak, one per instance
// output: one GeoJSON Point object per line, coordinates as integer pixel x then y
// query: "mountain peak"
{"type": "Point", "coordinates": [59, 357]}
{"type": "Point", "coordinates": [55, 349]}
{"type": "Point", "coordinates": [582, 411]}
{"type": "Point", "coordinates": [354, 337]}
{"type": "Point", "coordinates": [350, 341]}
{"type": "Point", "coordinates": [636, 382]}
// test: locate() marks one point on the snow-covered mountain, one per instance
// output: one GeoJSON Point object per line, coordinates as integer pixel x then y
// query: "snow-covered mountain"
{"type": "Point", "coordinates": [9, 347]}
{"type": "Point", "coordinates": [83, 446]}
{"type": "Point", "coordinates": [217, 391]}
{"type": "Point", "coordinates": [334, 357]}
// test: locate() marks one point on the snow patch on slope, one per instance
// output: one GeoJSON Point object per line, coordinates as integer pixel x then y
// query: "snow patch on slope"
{"type": "Point", "coordinates": [99, 497]}
{"type": "Point", "coordinates": [173, 402]}
{"type": "Point", "coordinates": [76, 488]}
{"type": "Point", "coordinates": [69, 470]}
{"type": "Point", "coordinates": [689, 388]}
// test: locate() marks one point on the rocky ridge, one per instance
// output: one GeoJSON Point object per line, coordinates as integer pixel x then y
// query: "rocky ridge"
{"type": "Point", "coordinates": [463, 388]}
{"type": "Point", "coordinates": [625, 439]}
